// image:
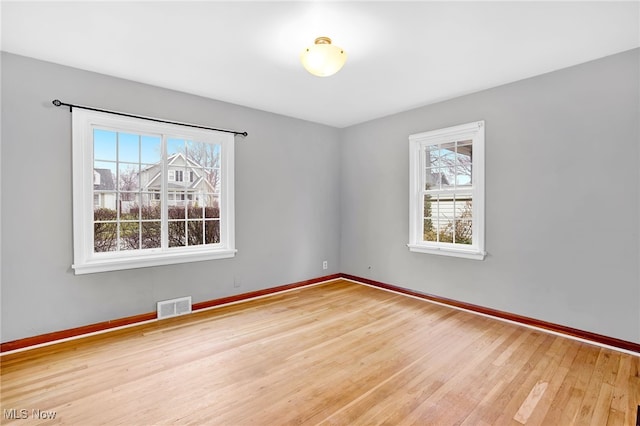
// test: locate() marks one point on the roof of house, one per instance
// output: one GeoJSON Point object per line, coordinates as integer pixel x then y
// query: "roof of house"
{"type": "Point", "coordinates": [106, 180]}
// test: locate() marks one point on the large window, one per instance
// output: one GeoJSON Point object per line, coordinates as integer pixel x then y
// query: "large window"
{"type": "Point", "coordinates": [133, 206]}
{"type": "Point", "coordinates": [447, 191]}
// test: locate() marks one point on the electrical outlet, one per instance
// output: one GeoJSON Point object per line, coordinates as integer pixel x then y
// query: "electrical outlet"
{"type": "Point", "coordinates": [325, 265]}
{"type": "Point", "coordinates": [236, 283]}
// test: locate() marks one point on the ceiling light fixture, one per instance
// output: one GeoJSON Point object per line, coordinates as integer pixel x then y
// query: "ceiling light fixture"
{"type": "Point", "coordinates": [323, 58]}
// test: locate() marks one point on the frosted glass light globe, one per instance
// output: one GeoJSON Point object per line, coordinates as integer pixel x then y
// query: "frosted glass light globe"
{"type": "Point", "coordinates": [323, 58]}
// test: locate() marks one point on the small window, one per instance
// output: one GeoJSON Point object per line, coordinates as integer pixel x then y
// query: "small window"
{"type": "Point", "coordinates": [127, 212]}
{"type": "Point", "coordinates": [447, 191]}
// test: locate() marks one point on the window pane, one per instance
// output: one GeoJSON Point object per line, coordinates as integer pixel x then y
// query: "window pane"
{"type": "Point", "coordinates": [174, 146]}
{"type": "Point", "coordinates": [150, 205]}
{"type": "Point", "coordinates": [463, 221]}
{"type": "Point", "coordinates": [203, 154]}
{"type": "Point", "coordinates": [128, 177]}
{"type": "Point", "coordinates": [101, 214]}
{"type": "Point", "coordinates": [104, 200]}
{"type": "Point", "coordinates": [196, 152]}
{"type": "Point", "coordinates": [212, 177]}
{"type": "Point", "coordinates": [195, 232]}
{"type": "Point", "coordinates": [128, 147]}
{"type": "Point", "coordinates": [212, 232]}
{"type": "Point", "coordinates": [432, 156]}
{"type": "Point", "coordinates": [464, 163]}
{"type": "Point", "coordinates": [104, 175]}
{"type": "Point", "coordinates": [447, 176]}
{"type": "Point", "coordinates": [129, 235]}
{"type": "Point", "coordinates": [463, 232]}
{"type": "Point", "coordinates": [212, 209]}
{"type": "Point", "coordinates": [129, 203]}
{"type": "Point", "coordinates": [428, 206]}
{"type": "Point", "coordinates": [448, 164]}
{"type": "Point", "coordinates": [104, 237]}
{"type": "Point", "coordinates": [203, 168]}
{"type": "Point", "coordinates": [176, 202]}
{"type": "Point", "coordinates": [177, 233]}
{"type": "Point", "coordinates": [430, 220]}
{"type": "Point", "coordinates": [151, 235]}
{"type": "Point", "coordinates": [444, 214]}
{"type": "Point", "coordinates": [445, 232]}
{"type": "Point", "coordinates": [151, 151]}
{"type": "Point", "coordinates": [150, 178]}
{"type": "Point", "coordinates": [432, 179]}
{"type": "Point", "coordinates": [104, 145]}
{"type": "Point", "coordinates": [195, 211]}
{"type": "Point", "coordinates": [429, 233]}
{"type": "Point", "coordinates": [447, 154]}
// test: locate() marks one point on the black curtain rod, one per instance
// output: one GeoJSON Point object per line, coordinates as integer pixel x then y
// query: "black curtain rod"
{"type": "Point", "coordinates": [58, 103]}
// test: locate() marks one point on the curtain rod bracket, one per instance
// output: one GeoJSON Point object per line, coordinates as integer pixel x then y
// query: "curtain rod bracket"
{"type": "Point", "coordinates": [58, 102]}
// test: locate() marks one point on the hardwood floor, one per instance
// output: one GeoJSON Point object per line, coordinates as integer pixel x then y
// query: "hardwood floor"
{"type": "Point", "coordinates": [337, 353]}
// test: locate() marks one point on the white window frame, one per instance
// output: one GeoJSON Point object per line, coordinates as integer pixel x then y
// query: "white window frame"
{"type": "Point", "coordinates": [417, 157]}
{"type": "Point", "coordinates": [85, 259]}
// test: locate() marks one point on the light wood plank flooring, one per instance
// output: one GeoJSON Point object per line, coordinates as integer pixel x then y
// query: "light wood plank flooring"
{"type": "Point", "coordinates": [333, 354]}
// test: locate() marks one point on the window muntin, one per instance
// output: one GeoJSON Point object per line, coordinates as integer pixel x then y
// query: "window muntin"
{"type": "Point", "coordinates": [447, 191]}
{"type": "Point", "coordinates": [135, 214]}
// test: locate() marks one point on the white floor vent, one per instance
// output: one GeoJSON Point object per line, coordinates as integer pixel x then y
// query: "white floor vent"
{"type": "Point", "coordinates": [174, 307]}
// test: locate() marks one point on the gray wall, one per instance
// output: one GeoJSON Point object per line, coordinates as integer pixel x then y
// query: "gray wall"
{"type": "Point", "coordinates": [287, 193]}
{"type": "Point", "coordinates": [562, 199]}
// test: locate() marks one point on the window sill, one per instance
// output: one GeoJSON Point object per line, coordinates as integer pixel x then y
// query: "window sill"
{"type": "Point", "coordinates": [445, 251]}
{"type": "Point", "coordinates": [156, 259]}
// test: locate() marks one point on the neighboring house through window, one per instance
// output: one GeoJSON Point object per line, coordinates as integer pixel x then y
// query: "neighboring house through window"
{"type": "Point", "coordinates": [104, 195]}
{"type": "Point", "coordinates": [132, 205]}
{"type": "Point", "coordinates": [199, 188]}
{"type": "Point", "coordinates": [447, 191]}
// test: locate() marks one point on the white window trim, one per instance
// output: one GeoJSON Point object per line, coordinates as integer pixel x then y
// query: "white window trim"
{"type": "Point", "coordinates": [85, 260]}
{"type": "Point", "coordinates": [417, 142]}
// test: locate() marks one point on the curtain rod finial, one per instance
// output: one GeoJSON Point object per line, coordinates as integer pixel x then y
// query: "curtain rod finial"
{"type": "Point", "coordinates": [56, 102]}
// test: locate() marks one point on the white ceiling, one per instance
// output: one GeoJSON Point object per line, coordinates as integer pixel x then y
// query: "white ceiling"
{"type": "Point", "coordinates": [401, 55]}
